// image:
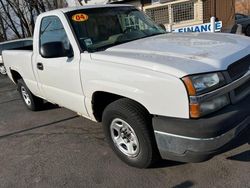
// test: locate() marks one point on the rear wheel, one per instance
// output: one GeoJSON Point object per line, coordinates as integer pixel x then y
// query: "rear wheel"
{"type": "Point", "coordinates": [128, 129]}
{"type": "Point", "coordinates": [2, 70]}
{"type": "Point", "coordinates": [32, 102]}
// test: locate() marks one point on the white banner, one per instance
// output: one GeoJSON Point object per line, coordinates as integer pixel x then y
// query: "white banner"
{"type": "Point", "coordinates": [200, 28]}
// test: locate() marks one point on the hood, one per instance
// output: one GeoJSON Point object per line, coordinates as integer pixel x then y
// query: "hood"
{"type": "Point", "coordinates": [179, 54]}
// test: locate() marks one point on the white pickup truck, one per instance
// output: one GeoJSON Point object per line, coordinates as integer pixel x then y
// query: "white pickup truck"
{"type": "Point", "coordinates": [181, 97]}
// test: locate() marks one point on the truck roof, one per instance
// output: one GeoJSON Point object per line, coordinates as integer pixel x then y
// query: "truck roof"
{"type": "Point", "coordinates": [65, 10]}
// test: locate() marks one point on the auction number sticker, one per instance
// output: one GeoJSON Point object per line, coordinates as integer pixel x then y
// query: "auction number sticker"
{"type": "Point", "coordinates": [80, 17]}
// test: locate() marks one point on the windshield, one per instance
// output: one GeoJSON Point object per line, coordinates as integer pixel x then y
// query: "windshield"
{"type": "Point", "coordinates": [100, 28]}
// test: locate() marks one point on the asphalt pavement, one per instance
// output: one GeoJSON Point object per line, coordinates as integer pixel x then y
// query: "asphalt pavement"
{"type": "Point", "coordinates": [56, 148]}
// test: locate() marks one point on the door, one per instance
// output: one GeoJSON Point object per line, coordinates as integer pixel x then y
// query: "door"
{"type": "Point", "coordinates": [59, 77]}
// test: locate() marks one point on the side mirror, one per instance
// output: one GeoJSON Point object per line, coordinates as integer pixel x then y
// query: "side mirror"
{"type": "Point", "coordinates": [54, 50]}
{"type": "Point", "coordinates": [162, 26]}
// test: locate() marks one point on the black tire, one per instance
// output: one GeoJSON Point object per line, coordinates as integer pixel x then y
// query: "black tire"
{"type": "Point", "coordinates": [35, 103]}
{"type": "Point", "coordinates": [247, 32]}
{"type": "Point", "coordinates": [140, 121]}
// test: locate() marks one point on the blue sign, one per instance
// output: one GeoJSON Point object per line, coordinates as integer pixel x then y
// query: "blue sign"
{"type": "Point", "coordinates": [200, 28]}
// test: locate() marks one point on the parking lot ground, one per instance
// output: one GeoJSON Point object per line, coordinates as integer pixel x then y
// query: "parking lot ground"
{"type": "Point", "coordinates": [57, 148]}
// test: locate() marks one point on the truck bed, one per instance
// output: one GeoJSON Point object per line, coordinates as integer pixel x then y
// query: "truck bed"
{"type": "Point", "coordinates": [21, 62]}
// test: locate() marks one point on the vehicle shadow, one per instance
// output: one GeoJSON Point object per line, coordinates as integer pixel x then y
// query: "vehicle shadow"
{"type": "Point", "coordinates": [49, 106]}
{"type": "Point", "coordinates": [241, 139]}
{"type": "Point", "coordinates": [244, 157]}
{"type": "Point", "coordinates": [185, 184]}
{"type": "Point", "coordinates": [166, 163]}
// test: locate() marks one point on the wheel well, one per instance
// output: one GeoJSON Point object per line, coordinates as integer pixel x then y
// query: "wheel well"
{"type": "Point", "coordinates": [100, 100]}
{"type": "Point", "coordinates": [15, 76]}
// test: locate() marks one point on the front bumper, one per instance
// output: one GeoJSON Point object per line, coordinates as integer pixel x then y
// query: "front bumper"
{"type": "Point", "coordinates": [196, 140]}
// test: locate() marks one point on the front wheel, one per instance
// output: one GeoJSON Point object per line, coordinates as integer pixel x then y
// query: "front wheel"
{"type": "Point", "coordinates": [128, 129]}
{"type": "Point", "coordinates": [32, 102]}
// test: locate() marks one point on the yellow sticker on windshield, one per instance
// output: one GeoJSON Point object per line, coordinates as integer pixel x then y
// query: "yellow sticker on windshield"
{"type": "Point", "coordinates": [80, 17]}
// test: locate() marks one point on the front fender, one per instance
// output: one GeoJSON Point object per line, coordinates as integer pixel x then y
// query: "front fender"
{"type": "Point", "coordinates": [160, 93]}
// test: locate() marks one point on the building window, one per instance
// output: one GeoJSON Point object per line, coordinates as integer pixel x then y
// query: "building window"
{"type": "Point", "coordinates": [159, 14]}
{"type": "Point", "coordinates": [183, 11]}
{"type": "Point", "coordinates": [174, 12]}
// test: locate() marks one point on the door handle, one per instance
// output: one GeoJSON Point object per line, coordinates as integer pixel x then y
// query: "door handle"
{"type": "Point", "coordinates": [39, 66]}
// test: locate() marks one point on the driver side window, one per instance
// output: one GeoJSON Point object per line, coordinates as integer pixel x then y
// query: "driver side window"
{"type": "Point", "coordinates": [52, 30]}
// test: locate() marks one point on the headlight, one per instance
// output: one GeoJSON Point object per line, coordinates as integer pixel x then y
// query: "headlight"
{"type": "Point", "coordinates": [199, 84]}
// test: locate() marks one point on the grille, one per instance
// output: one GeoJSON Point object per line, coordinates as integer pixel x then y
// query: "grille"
{"type": "Point", "coordinates": [239, 68]}
{"type": "Point", "coordinates": [160, 14]}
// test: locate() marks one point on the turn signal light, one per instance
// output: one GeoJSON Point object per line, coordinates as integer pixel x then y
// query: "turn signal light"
{"type": "Point", "coordinates": [195, 111]}
{"type": "Point", "coordinates": [189, 85]}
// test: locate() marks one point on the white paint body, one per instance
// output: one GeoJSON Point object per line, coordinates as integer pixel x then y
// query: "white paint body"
{"type": "Point", "coordinates": [148, 70]}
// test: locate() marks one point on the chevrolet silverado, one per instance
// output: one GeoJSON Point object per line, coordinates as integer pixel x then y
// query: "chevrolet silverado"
{"type": "Point", "coordinates": [177, 96]}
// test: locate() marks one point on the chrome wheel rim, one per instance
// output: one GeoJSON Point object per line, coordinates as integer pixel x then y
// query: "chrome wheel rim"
{"type": "Point", "coordinates": [25, 96]}
{"type": "Point", "coordinates": [2, 70]}
{"type": "Point", "coordinates": [124, 137]}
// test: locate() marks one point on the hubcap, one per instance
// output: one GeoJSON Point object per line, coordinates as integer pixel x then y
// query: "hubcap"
{"type": "Point", "coordinates": [124, 137]}
{"type": "Point", "coordinates": [2, 69]}
{"type": "Point", "coordinates": [26, 96]}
